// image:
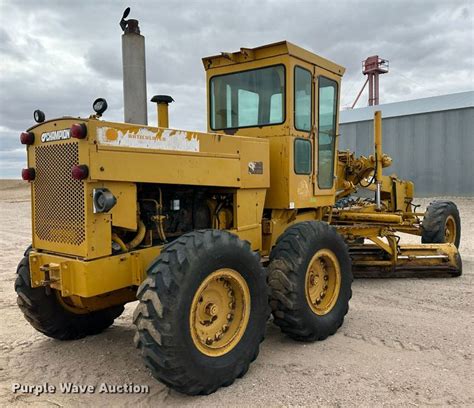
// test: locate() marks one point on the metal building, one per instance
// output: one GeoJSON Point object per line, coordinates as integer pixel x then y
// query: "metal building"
{"type": "Point", "coordinates": [431, 141]}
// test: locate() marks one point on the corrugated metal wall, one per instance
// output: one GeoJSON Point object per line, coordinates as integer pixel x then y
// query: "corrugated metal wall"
{"type": "Point", "coordinates": [435, 150]}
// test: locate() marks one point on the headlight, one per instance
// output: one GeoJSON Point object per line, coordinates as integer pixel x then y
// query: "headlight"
{"type": "Point", "coordinates": [99, 106]}
{"type": "Point", "coordinates": [103, 200]}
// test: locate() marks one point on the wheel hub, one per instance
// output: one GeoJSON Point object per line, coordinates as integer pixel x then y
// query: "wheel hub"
{"type": "Point", "coordinates": [220, 312]}
{"type": "Point", "coordinates": [450, 230]}
{"type": "Point", "coordinates": [212, 309]}
{"type": "Point", "coordinates": [323, 281]}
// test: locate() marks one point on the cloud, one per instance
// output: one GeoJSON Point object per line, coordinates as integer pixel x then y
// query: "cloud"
{"type": "Point", "coordinates": [59, 55]}
{"type": "Point", "coordinates": [7, 46]}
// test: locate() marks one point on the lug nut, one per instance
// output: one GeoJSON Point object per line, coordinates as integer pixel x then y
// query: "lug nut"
{"type": "Point", "coordinates": [322, 294]}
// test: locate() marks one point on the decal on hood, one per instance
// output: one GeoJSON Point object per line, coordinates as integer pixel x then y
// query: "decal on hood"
{"type": "Point", "coordinates": [55, 135]}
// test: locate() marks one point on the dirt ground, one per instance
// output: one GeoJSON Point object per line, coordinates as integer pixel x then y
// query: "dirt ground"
{"type": "Point", "coordinates": [404, 342]}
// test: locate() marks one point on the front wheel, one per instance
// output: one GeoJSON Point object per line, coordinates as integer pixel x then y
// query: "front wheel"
{"type": "Point", "coordinates": [441, 223]}
{"type": "Point", "coordinates": [310, 276]}
{"type": "Point", "coordinates": [202, 312]}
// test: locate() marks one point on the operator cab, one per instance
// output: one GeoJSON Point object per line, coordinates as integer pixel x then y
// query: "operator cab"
{"type": "Point", "coordinates": [291, 96]}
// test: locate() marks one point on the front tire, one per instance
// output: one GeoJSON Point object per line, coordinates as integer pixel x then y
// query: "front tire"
{"type": "Point", "coordinates": [310, 276]}
{"type": "Point", "coordinates": [202, 312]}
{"type": "Point", "coordinates": [44, 311]}
{"type": "Point", "coordinates": [441, 224]}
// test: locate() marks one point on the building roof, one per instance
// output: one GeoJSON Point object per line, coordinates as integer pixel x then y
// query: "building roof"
{"type": "Point", "coordinates": [432, 104]}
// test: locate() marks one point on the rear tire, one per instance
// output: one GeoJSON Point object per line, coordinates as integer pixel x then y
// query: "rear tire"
{"type": "Point", "coordinates": [181, 280]}
{"type": "Point", "coordinates": [293, 263]}
{"type": "Point", "coordinates": [45, 313]}
{"type": "Point", "coordinates": [441, 224]}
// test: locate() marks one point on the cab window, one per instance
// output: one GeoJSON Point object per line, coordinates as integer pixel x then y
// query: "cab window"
{"type": "Point", "coordinates": [303, 105]}
{"type": "Point", "coordinates": [248, 98]}
{"type": "Point", "coordinates": [302, 156]}
{"type": "Point", "coordinates": [326, 131]}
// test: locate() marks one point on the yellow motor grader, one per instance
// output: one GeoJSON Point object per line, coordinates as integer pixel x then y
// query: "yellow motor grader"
{"type": "Point", "coordinates": [213, 231]}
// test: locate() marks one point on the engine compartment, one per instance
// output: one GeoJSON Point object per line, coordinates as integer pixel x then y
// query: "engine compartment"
{"type": "Point", "coordinates": [165, 212]}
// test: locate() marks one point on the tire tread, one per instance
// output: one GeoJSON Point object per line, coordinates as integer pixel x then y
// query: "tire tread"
{"type": "Point", "coordinates": [285, 259]}
{"type": "Point", "coordinates": [165, 278]}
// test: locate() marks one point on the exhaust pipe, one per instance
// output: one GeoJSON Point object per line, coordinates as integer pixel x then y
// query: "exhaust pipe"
{"type": "Point", "coordinates": [162, 102]}
{"type": "Point", "coordinates": [134, 72]}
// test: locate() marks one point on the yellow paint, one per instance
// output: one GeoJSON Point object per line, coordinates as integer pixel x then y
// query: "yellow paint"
{"type": "Point", "coordinates": [163, 120]}
{"type": "Point", "coordinates": [378, 143]}
{"type": "Point", "coordinates": [92, 278]}
{"type": "Point", "coordinates": [450, 230]}
{"type": "Point", "coordinates": [323, 282]}
{"type": "Point", "coordinates": [220, 312]}
{"type": "Point", "coordinates": [122, 156]}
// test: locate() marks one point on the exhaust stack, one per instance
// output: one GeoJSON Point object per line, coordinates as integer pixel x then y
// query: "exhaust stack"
{"type": "Point", "coordinates": [162, 102]}
{"type": "Point", "coordinates": [134, 72]}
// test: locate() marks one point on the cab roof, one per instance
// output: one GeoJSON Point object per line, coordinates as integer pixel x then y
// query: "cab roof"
{"type": "Point", "coordinates": [267, 51]}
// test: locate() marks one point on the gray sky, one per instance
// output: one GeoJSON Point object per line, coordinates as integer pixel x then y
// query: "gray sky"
{"type": "Point", "coordinates": [59, 56]}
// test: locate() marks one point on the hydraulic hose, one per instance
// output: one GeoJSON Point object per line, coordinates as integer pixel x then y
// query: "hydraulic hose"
{"type": "Point", "coordinates": [119, 241]}
{"type": "Point", "coordinates": [138, 238]}
{"type": "Point", "coordinates": [134, 242]}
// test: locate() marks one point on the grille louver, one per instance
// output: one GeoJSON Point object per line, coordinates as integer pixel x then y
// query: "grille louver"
{"type": "Point", "coordinates": [59, 212]}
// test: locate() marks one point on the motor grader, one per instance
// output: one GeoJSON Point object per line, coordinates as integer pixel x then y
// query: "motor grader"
{"type": "Point", "coordinates": [214, 231]}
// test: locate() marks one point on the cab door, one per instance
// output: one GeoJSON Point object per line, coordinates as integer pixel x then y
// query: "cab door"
{"type": "Point", "coordinates": [326, 128]}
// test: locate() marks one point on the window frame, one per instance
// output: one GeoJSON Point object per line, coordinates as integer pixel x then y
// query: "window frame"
{"type": "Point", "coordinates": [306, 140]}
{"type": "Point", "coordinates": [336, 118]}
{"type": "Point", "coordinates": [252, 126]}
{"type": "Point", "coordinates": [311, 97]}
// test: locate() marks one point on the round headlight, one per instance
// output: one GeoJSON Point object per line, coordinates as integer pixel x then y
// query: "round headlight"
{"type": "Point", "coordinates": [99, 106]}
{"type": "Point", "coordinates": [38, 116]}
{"type": "Point", "coordinates": [104, 200]}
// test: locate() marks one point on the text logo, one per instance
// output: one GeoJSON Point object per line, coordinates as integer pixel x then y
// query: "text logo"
{"type": "Point", "coordinates": [55, 135]}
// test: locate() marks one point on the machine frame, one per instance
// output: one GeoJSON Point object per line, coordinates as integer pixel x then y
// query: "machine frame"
{"type": "Point", "coordinates": [253, 165]}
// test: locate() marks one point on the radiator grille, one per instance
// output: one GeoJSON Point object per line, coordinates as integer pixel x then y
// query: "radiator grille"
{"type": "Point", "coordinates": [59, 199]}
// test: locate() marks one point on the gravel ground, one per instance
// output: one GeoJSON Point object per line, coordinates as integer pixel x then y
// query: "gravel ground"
{"type": "Point", "coordinates": [404, 342]}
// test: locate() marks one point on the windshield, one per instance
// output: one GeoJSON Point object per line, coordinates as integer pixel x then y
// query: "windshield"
{"type": "Point", "coordinates": [250, 98]}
